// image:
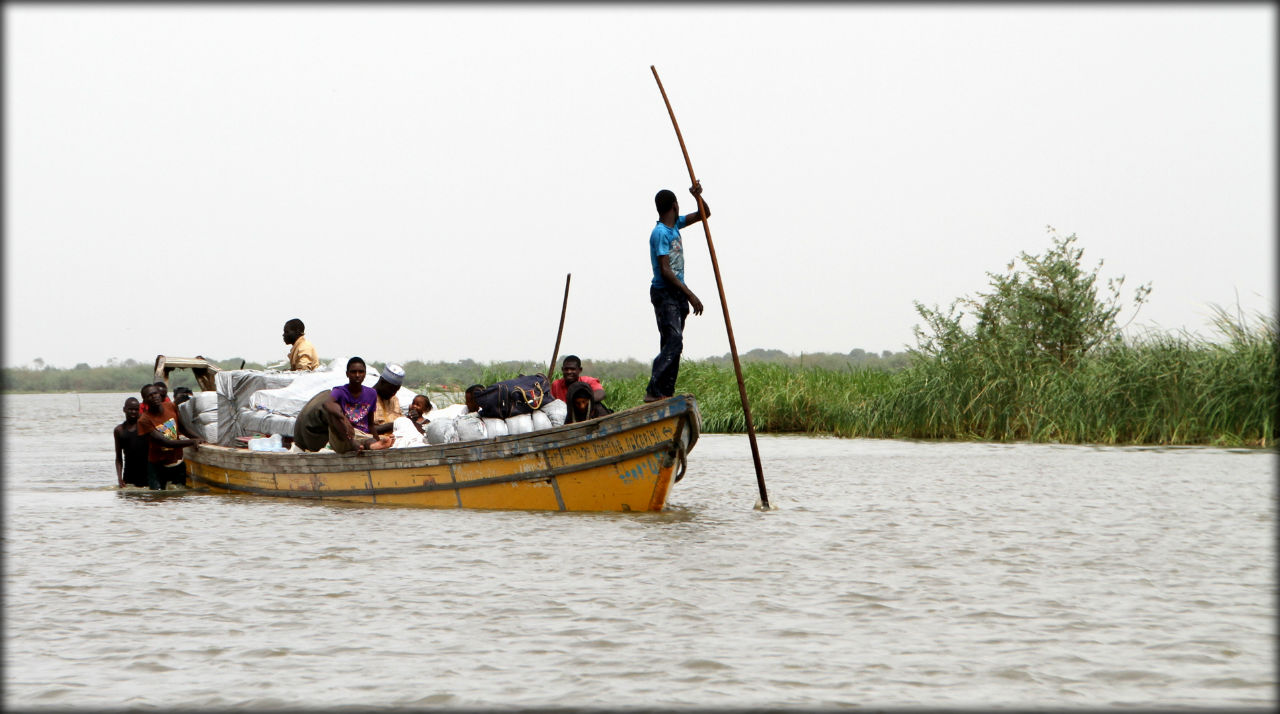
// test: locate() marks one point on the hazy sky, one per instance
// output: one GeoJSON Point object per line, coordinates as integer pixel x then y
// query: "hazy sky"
{"type": "Point", "coordinates": [414, 182]}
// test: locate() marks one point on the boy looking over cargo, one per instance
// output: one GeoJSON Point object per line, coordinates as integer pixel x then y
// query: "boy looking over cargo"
{"type": "Point", "coordinates": [341, 417]}
{"type": "Point", "coordinates": [302, 355]}
{"type": "Point", "coordinates": [571, 368]}
{"type": "Point", "coordinates": [469, 397]}
{"type": "Point", "coordinates": [668, 293]}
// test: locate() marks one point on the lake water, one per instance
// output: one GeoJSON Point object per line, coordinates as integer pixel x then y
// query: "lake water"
{"type": "Point", "coordinates": [891, 574]}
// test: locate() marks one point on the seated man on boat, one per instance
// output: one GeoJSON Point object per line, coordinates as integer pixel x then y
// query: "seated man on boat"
{"type": "Point", "coordinates": [302, 355]}
{"type": "Point", "coordinates": [181, 394]}
{"type": "Point", "coordinates": [388, 419]}
{"type": "Point", "coordinates": [131, 448]}
{"type": "Point", "coordinates": [571, 368]}
{"type": "Point", "coordinates": [341, 417]}
{"type": "Point", "coordinates": [164, 453]}
{"type": "Point", "coordinates": [583, 405]}
{"type": "Point", "coordinates": [388, 407]}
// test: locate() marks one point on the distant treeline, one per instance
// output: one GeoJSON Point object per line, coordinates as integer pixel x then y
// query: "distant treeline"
{"type": "Point", "coordinates": [130, 375]}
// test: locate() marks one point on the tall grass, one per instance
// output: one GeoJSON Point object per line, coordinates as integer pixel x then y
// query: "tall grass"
{"type": "Point", "coordinates": [1155, 389]}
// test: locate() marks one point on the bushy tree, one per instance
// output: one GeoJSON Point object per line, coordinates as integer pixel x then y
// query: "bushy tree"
{"type": "Point", "coordinates": [1050, 310]}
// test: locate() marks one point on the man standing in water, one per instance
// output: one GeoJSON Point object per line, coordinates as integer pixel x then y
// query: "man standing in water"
{"type": "Point", "coordinates": [670, 296]}
{"type": "Point", "coordinates": [131, 449]}
{"type": "Point", "coordinates": [302, 355]}
{"type": "Point", "coordinates": [163, 429]}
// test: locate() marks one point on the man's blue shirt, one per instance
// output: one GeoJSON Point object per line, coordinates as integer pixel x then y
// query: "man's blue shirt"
{"type": "Point", "coordinates": [666, 241]}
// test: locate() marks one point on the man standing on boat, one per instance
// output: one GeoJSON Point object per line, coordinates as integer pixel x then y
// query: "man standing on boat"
{"type": "Point", "coordinates": [302, 355]}
{"type": "Point", "coordinates": [670, 296]}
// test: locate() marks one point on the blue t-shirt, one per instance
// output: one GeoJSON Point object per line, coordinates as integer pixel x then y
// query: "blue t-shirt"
{"type": "Point", "coordinates": [666, 241]}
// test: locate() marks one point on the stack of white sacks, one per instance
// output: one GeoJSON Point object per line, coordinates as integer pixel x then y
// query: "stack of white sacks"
{"type": "Point", "coordinates": [200, 413]}
{"type": "Point", "coordinates": [247, 408]}
{"type": "Point", "coordinates": [453, 424]}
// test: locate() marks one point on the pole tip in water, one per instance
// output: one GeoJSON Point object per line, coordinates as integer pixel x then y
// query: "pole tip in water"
{"type": "Point", "coordinates": [762, 506]}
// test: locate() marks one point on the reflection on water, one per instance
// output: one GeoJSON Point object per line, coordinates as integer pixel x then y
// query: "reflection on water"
{"type": "Point", "coordinates": [892, 573]}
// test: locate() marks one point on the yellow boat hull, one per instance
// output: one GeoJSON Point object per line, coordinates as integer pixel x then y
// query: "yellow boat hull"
{"type": "Point", "coordinates": [622, 462]}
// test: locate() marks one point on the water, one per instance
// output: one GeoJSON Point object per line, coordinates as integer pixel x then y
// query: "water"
{"type": "Point", "coordinates": [892, 574]}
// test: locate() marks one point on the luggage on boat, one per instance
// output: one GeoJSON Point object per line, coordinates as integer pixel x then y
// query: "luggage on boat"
{"type": "Point", "coordinates": [519, 424]}
{"type": "Point", "coordinates": [454, 423]}
{"type": "Point", "coordinates": [200, 415]}
{"type": "Point", "coordinates": [470, 427]}
{"type": "Point", "coordinates": [496, 427]}
{"type": "Point", "coordinates": [556, 410]}
{"type": "Point", "coordinates": [512, 397]}
{"type": "Point", "coordinates": [441, 431]}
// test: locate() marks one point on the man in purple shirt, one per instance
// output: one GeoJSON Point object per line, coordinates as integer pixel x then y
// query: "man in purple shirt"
{"type": "Point", "coordinates": [341, 417]}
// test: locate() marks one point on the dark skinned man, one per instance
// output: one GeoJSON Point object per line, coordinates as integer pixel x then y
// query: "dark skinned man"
{"type": "Point", "coordinates": [670, 296]}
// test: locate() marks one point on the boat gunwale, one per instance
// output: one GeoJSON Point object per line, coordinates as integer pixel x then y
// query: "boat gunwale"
{"type": "Point", "coordinates": [539, 475]}
{"type": "Point", "coordinates": [490, 448]}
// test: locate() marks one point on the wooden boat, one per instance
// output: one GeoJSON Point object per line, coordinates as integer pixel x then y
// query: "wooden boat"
{"type": "Point", "coordinates": [626, 461]}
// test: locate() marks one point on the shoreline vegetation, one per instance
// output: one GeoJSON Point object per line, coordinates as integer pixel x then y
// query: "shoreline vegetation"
{"type": "Point", "coordinates": [1156, 390]}
{"type": "Point", "coordinates": [1039, 358]}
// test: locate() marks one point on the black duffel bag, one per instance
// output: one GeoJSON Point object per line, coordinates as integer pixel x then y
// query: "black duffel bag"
{"type": "Point", "coordinates": [513, 397]}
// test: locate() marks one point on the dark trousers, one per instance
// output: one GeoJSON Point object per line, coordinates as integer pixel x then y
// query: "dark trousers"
{"type": "Point", "coordinates": [159, 476]}
{"type": "Point", "coordinates": [670, 308]}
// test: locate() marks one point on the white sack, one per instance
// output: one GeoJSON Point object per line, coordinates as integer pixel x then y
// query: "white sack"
{"type": "Point", "coordinates": [441, 431]}
{"type": "Point", "coordinates": [556, 410]}
{"type": "Point", "coordinates": [406, 434]}
{"type": "Point", "coordinates": [208, 432]}
{"type": "Point", "coordinates": [522, 424]}
{"type": "Point", "coordinates": [234, 388]}
{"type": "Point", "coordinates": [200, 409]}
{"type": "Point", "coordinates": [470, 427]}
{"type": "Point", "coordinates": [540, 421]}
{"type": "Point", "coordinates": [495, 426]}
{"type": "Point", "coordinates": [264, 422]}
{"type": "Point", "coordinates": [204, 407]}
{"type": "Point", "coordinates": [452, 411]}
{"type": "Point", "coordinates": [291, 398]}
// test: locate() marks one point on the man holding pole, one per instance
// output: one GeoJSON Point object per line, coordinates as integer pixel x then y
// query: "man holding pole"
{"type": "Point", "coordinates": [670, 296]}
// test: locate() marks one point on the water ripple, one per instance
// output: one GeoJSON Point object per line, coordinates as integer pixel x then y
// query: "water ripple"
{"type": "Point", "coordinates": [895, 574]}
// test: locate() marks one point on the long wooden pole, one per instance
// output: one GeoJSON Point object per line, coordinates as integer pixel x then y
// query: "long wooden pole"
{"type": "Point", "coordinates": [563, 306]}
{"type": "Point", "coordinates": [715, 267]}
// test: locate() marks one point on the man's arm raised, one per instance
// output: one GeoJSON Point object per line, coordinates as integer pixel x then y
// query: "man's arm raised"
{"type": "Point", "coordinates": [701, 214]}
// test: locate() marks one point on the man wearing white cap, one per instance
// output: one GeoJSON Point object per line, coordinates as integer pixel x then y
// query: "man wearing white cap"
{"type": "Point", "coordinates": [388, 406]}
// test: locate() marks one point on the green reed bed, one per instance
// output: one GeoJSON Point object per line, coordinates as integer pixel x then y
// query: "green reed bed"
{"type": "Point", "coordinates": [1157, 390]}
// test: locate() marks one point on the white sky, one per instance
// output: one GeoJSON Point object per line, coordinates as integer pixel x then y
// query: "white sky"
{"type": "Point", "coordinates": [414, 182]}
